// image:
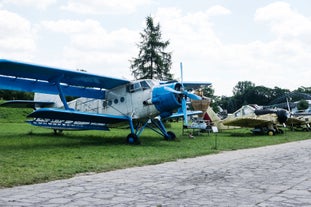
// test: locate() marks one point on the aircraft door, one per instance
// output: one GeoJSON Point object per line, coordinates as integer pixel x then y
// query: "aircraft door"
{"type": "Point", "coordinates": [140, 91]}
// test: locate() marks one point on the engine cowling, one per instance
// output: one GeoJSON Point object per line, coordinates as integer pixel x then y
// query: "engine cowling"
{"type": "Point", "coordinates": [165, 101]}
{"type": "Point", "coordinates": [281, 114]}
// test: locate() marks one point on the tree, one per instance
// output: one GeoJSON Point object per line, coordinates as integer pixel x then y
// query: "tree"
{"type": "Point", "coordinates": [302, 105]}
{"type": "Point", "coordinates": [152, 62]}
{"type": "Point", "coordinates": [15, 95]}
{"type": "Point", "coordinates": [241, 87]}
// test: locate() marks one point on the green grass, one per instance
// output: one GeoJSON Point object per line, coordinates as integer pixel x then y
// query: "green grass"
{"type": "Point", "coordinates": [32, 155]}
{"type": "Point", "coordinates": [13, 115]}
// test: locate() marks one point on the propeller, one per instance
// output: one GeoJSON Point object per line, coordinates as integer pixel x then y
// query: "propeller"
{"type": "Point", "coordinates": [282, 114]}
{"type": "Point", "coordinates": [185, 94]}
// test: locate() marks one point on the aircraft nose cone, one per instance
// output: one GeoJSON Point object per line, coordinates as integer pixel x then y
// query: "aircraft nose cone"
{"type": "Point", "coordinates": [282, 116]}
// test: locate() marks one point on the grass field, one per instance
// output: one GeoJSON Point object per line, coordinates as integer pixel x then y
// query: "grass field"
{"type": "Point", "coordinates": [32, 155]}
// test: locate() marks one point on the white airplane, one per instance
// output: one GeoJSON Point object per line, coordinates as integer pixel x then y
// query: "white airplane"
{"type": "Point", "coordinates": [103, 101]}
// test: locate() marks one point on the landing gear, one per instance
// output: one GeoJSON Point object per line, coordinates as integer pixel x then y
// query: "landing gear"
{"type": "Point", "coordinates": [270, 132]}
{"type": "Point", "coordinates": [170, 136]}
{"type": "Point", "coordinates": [132, 139]}
{"type": "Point", "coordinates": [58, 131]}
{"type": "Point", "coordinates": [154, 124]}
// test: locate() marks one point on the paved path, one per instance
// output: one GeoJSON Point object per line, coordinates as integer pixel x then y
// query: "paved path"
{"type": "Point", "coordinates": [269, 176]}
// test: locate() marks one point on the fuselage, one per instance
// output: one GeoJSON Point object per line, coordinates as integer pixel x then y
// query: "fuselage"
{"type": "Point", "coordinates": [138, 99]}
{"type": "Point", "coordinates": [124, 100]}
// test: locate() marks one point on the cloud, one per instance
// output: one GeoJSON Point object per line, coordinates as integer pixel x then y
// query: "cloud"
{"type": "Point", "coordinates": [41, 5]}
{"type": "Point", "coordinates": [218, 10]}
{"type": "Point", "coordinates": [189, 32]}
{"type": "Point", "coordinates": [92, 46]}
{"type": "Point", "coordinates": [104, 6]}
{"type": "Point", "coordinates": [90, 35]}
{"type": "Point", "coordinates": [17, 37]}
{"type": "Point", "coordinates": [283, 20]}
{"type": "Point", "coordinates": [193, 41]}
{"type": "Point", "coordinates": [68, 26]}
{"type": "Point", "coordinates": [282, 61]}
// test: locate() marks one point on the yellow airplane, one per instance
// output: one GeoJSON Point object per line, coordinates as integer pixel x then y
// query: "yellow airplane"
{"type": "Point", "coordinates": [264, 121]}
{"type": "Point", "coordinates": [300, 121]}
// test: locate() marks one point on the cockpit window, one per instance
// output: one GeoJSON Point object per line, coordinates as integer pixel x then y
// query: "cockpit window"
{"type": "Point", "coordinates": [134, 87]}
{"type": "Point", "coordinates": [144, 85]}
{"type": "Point", "coordinates": [141, 85]}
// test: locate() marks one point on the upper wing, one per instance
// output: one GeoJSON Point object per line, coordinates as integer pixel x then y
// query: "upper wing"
{"type": "Point", "coordinates": [195, 85]}
{"type": "Point", "coordinates": [190, 84]}
{"type": "Point", "coordinates": [42, 79]}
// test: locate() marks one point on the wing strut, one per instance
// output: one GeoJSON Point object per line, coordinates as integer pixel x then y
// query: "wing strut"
{"type": "Point", "coordinates": [62, 96]}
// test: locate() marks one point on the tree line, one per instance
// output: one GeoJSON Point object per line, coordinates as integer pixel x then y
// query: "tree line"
{"type": "Point", "coordinates": [15, 95]}
{"type": "Point", "coordinates": [246, 92]}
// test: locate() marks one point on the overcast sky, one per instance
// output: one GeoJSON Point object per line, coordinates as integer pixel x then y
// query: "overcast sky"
{"type": "Point", "coordinates": [218, 41]}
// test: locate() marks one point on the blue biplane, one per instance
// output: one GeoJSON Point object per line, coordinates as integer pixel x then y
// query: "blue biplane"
{"type": "Point", "coordinates": [101, 102]}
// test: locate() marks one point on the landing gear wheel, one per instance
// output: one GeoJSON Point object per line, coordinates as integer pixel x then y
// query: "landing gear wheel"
{"type": "Point", "coordinates": [171, 136]}
{"type": "Point", "coordinates": [270, 132]}
{"type": "Point", "coordinates": [58, 131]}
{"type": "Point", "coordinates": [132, 139]}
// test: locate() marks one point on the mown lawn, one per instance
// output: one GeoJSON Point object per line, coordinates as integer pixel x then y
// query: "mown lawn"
{"type": "Point", "coordinates": [32, 155]}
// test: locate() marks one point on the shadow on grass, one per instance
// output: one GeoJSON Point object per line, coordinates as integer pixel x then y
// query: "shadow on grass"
{"type": "Point", "coordinates": [49, 140]}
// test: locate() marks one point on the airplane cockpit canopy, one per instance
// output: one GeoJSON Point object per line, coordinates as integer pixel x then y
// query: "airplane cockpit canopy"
{"type": "Point", "coordinates": [140, 85]}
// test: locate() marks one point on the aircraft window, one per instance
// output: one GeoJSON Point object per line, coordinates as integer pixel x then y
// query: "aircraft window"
{"type": "Point", "coordinates": [105, 103]}
{"type": "Point", "coordinates": [116, 101]}
{"type": "Point", "coordinates": [134, 87]}
{"type": "Point", "coordinates": [247, 111]}
{"type": "Point", "coordinates": [144, 85]}
{"type": "Point", "coordinates": [150, 83]}
{"type": "Point", "coordinates": [122, 99]}
{"type": "Point", "coordinates": [109, 103]}
{"type": "Point", "coordinates": [237, 114]}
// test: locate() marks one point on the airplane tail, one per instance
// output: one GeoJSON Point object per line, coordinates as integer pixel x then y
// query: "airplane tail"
{"type": "Point", "coordinates": [214, 118]}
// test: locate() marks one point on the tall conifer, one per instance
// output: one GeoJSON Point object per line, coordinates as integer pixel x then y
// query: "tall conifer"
{"type": "Point", "coordinates": [152, 61]}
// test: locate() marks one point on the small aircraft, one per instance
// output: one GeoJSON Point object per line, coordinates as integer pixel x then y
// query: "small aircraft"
{"type": "Point", "coordinates": [300, 121]}
{"type": "Point", "coordinates": [102, 102]}
{"type": "Point", "coordinates": [264, 121]}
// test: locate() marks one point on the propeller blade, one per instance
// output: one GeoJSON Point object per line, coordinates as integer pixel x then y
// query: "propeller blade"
{"type": "Point", "coordinates": [193, 96]}
{"type": "Point", "coordinates": [181, 75]}
{"type": "Point", "coordinates": [184, 110]}
{"type": "Point", "coordinates": [172, 90]}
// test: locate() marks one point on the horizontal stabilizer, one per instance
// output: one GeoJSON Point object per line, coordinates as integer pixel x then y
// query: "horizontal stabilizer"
{"type": "Point", "coordinates": [26, 104]}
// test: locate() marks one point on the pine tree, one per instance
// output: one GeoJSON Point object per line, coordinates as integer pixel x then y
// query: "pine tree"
{"type": "Point", "coordinates": [152, 62]}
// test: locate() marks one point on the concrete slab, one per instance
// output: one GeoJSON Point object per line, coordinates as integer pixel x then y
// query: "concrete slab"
{"type": "Point", "coordinates": [278, 175]}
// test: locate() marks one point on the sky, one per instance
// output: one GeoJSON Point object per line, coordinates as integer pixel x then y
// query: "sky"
{"type": "Point", "coordinates": [222, 42]}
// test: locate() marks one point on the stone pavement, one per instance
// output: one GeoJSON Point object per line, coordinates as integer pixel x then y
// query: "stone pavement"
{"type": "Point", "coordinates": [277, 175]}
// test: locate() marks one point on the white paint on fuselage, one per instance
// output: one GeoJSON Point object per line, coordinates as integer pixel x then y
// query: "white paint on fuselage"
{"type": "Point", "coordinates": [124, 100]}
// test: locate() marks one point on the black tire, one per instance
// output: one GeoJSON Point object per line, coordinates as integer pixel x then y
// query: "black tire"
{"type": "Point", "coordinates": [171, 136]}
{"type": "Point", "coordinates": [132, 139]}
